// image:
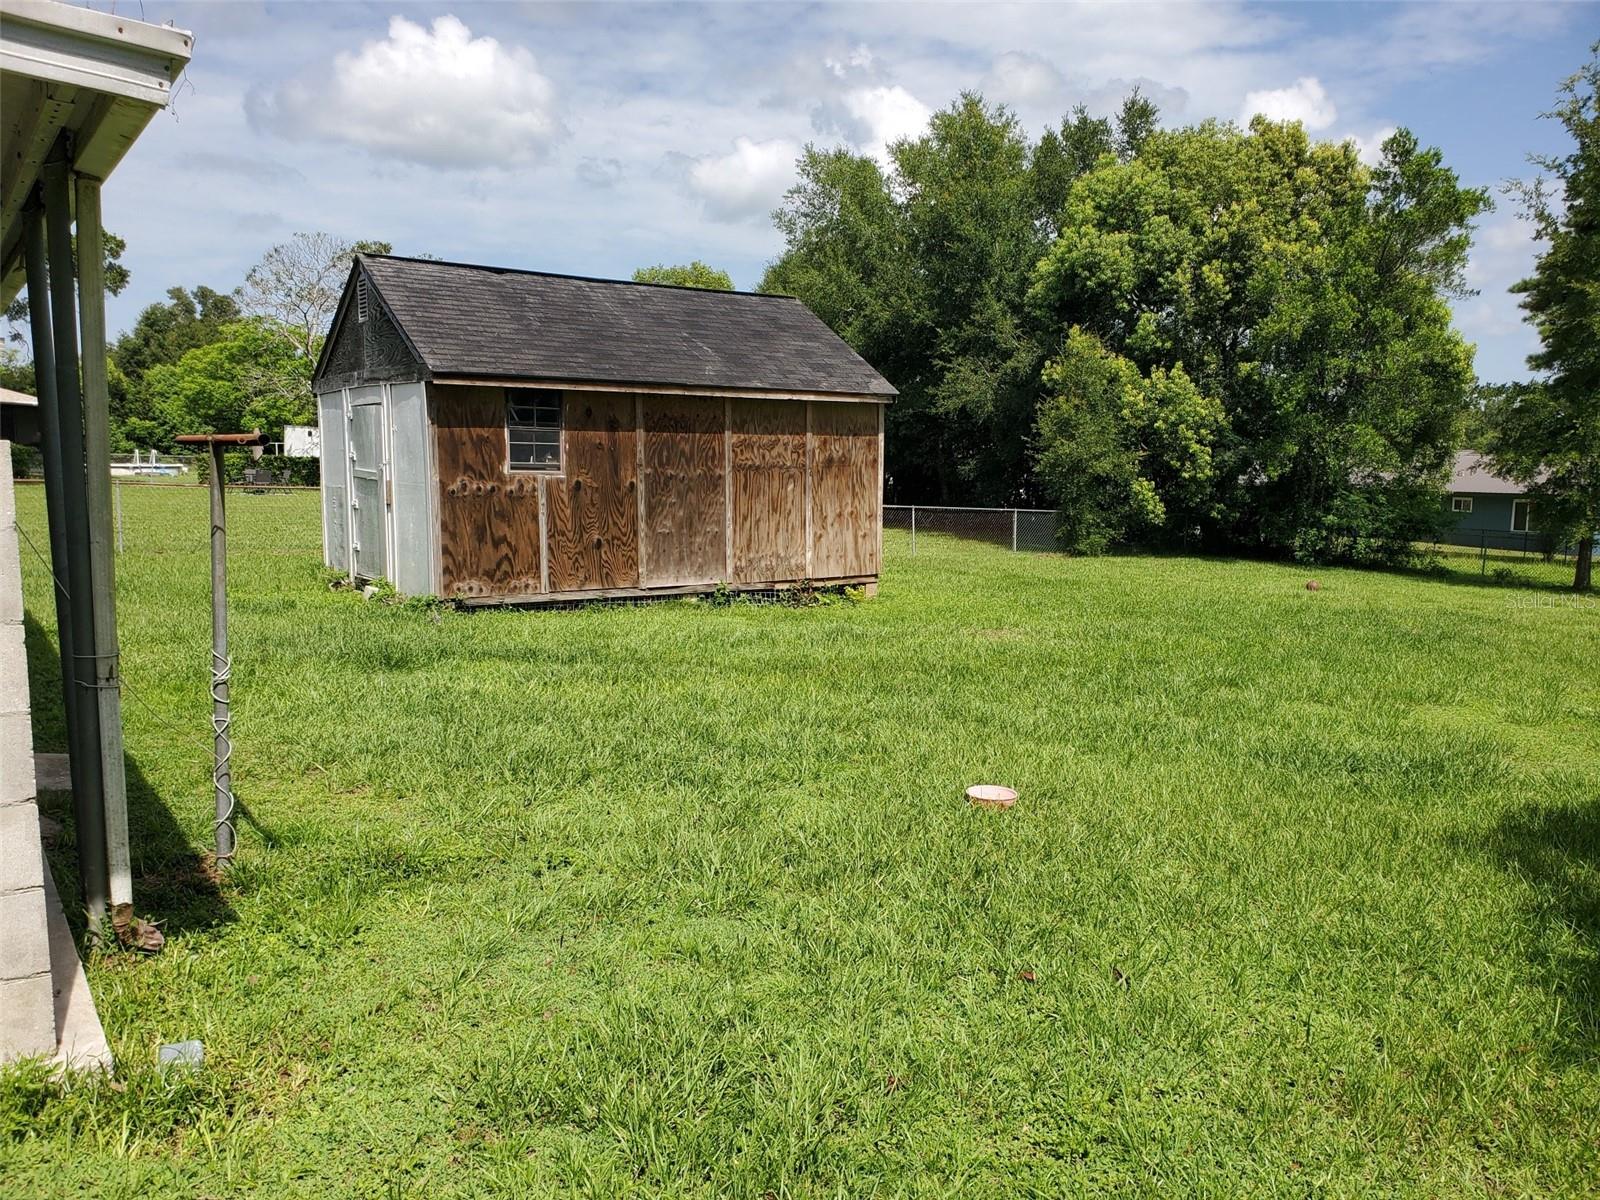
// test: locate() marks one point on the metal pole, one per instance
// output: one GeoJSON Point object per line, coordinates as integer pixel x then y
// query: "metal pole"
{"type": "Point", "coordinates": [221, 664]}
{"type": "Point", "coordinates": [1013, 531]}
{"type": "Point", "coordinates": [88, 786]}
{"type": "Point", "coordinates": [913, 529]}
{"type": "Point", "coordinates": [1483, 552]}
{"type": "Point", "coordinates": [102, 563]}
{"type": "Point", "coordinates": [44, 382]}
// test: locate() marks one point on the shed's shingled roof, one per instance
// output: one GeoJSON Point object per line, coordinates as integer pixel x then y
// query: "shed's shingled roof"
{"type": "Point", "coordinates": [488, 322]}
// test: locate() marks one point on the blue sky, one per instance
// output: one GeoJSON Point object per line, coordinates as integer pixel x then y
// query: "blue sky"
{"type": "Point", "coordinates": [599, 138]}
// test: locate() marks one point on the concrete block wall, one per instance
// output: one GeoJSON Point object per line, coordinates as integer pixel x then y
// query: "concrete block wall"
{"type": "Point", "coordinates": [27, 989]}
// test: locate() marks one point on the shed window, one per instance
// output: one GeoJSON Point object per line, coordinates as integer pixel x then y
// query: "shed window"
{"type": "Point", "coordinates": [1521, 511]}
{"type": "Point", "coordinates": [1460, 503]}
{"type": "Point", "coordinates": [533, 427]}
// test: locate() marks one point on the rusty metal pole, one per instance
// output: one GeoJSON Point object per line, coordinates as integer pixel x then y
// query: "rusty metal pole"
{"type": "Point", "coordinates": [221, 665]}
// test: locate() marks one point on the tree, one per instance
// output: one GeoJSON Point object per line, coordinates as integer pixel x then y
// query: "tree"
{"type": "Point", "coordinates": [251, 377]}
{"type": "Point", "coordinates": [116, 276]}
{"type": "Point", "coordinates": [297, 284]}
{"type": "Point", "coordinates": [1548, 437]}
{"type": "Point", "coordinates": [695, 275]}
{"type": "Point", "coordinates": [1302, 296]}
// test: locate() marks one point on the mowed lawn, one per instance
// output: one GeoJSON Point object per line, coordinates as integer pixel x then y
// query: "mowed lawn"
{"type": "Point", "coordinates": [1301, 898]}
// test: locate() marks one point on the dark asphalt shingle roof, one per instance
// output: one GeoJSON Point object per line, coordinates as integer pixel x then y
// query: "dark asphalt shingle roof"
{"type": "Point", "coordinates": [489, 322]}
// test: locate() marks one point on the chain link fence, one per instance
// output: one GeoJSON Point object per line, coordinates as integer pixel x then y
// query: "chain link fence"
{"type": "Point", "coordinates": [1509, 556]}
{"type": "Point", "coordinates": [1011, 528]}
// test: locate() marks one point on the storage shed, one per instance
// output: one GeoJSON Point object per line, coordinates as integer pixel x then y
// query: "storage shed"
{"type": "Point", "coordinates": [502, 436]}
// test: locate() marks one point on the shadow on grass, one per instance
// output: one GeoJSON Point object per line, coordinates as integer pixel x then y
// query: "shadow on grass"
{"type": "Point", "coordinates": [174, 884]}
{"type": "Point", "coordinates": [1556, 849]}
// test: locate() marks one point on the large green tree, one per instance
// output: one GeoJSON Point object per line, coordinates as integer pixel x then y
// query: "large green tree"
{"type": "Point", "coordinates": [694, 275]}
{"type": "Point", "coordinates": [1549, 436]}
{"type": "Point", "coordinates": [924, 269]}
{"type": "Point", "coordinates": [163, 334]}
{"type": "Point", "coordinates": [250, 377]}
{"type": "Point", "coordinates": [1302, 297]}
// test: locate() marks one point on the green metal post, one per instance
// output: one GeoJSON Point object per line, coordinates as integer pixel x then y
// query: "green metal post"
{"type": "Point", "coordinates": [44, 382]}
{"type": "Point", "coordinates": [102, 569]}
{"type": "Point", "coordinates": [88, 789]}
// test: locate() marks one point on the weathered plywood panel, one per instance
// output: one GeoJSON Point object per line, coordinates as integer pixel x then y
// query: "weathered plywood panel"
{"type": "Point", "coordinates": [769, 490]}
{"type": "Point", "coordinates": [488, 517]}
{"type": "Point", "coordinates": [685, 503]}
{"type": "Point", "coordinates": [592, 522]}
{"type": "Point", "coordinates": [844, 490]}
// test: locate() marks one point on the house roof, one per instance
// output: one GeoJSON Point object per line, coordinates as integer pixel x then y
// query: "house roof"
{"type": "Point", "coordinates": [1472, 474]}
{"type": "Point", "coordinates": [480, 322]}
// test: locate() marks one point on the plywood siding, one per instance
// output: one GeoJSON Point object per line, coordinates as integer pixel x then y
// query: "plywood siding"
{"type": "Point", "coordinates": [845, 492]}
{"type": "Point", "coordinates": [769, 490]}
{"type": "Point", "coordinates": [685, 503]}
{"type": "Point", "coordinates": [593, 518]}
{"type": "Point", "coordinates": [488, 518]}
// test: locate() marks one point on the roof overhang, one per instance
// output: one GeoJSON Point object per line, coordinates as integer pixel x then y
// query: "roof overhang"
{"type": "Point", "coordinates": [96, 76]}
{"type": "Point", "coordinates": [659, 389]}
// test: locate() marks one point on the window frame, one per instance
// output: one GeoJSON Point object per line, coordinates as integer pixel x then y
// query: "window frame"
{"type": "Point", "coordinates": [1460, 504]}
{"type": "Point", "coordinates": [1527, 517]}
{"type": "Point", "coordinates": [531, 396]}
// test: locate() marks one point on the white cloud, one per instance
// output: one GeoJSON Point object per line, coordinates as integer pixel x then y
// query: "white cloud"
{"type": "Point", "coordinates": [747, 182]}
{"type": "Point", "coordinates": [1503, 252]}
{"type": "Point", "coordinates": [1022, 79]}
{"type": "Point", "coordinates": [884, 115]}
{"type": "Point", "coordinates": [1305, 101]}
{"type": "Point", "coordinates": [436, 96]}
{"type": "Point", "coordinates": [1369, 149]}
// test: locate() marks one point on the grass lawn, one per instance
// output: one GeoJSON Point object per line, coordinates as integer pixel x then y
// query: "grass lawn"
{"type": "Point", "coordinates": [1302, 896]}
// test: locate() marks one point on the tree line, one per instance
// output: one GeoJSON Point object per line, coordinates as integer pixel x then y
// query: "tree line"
{"type": "Point", "coordinates": [1207, 337]}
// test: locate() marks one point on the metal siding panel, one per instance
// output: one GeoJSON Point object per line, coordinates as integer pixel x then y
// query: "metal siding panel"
{"type": "Point", "coordinates": [335, 502]}
{"type": "Point", "coordinates": [409, 474]}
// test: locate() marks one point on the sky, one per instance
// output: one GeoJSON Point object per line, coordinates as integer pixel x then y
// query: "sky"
{"type": "Point", "coordinates": [597, 138]}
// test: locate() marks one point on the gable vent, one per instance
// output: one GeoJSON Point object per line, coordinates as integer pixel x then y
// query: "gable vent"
{"type": "Point", "coordinates": [361, 300]}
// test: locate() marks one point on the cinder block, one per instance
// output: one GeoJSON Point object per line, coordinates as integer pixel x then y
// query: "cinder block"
{"type": "Point", "coordinates": [27, 1017]}
{"type": "Point", "coordinates": [13, 670]}
{"type": "Point", "coordinates": [8, 499]}
{"type": "Point", "coordinates": [24, 934]}
{"type": "Point", "coordinates": [17, 785]}
{"type": "Point", "coordinates": [10, 576]}
{"type": "Point", "coordinates": [21, 854]}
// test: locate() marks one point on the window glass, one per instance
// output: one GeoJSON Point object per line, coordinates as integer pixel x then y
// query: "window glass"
{"type": "Point", "coordinates": [1461, 503]}
{"type": "Point", "coordinates": [533, 428]}
{"type": "Point", "coordinates": [1520, 512]}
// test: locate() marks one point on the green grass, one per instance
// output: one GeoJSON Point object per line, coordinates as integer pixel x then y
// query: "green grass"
{"type": "Point", "coordinates": [683, 900]}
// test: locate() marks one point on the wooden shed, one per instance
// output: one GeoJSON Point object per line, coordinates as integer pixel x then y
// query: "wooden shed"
{"type": "Point", "coordinates": [501, 436]}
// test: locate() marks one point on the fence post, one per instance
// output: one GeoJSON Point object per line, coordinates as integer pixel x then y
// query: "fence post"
{"type": "Point", "coordinates": [1014, 530]}
{"type": "Point", "coordinates": [1483, 553]}
{"type": "Point", "coordinates": [913, 529]}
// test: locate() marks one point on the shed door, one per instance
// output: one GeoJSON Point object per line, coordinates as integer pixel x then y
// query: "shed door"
{"type": "Point", "coordinates": [367, 490]}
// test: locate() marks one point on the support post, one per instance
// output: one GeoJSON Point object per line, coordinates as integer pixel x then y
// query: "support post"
{"type": "Point", "coordinates": [1013, 531]}
{"type": "Point", "coordinates": [913, 529]}
{"type": "Point", "coordinates": [107, 673]}
{"type": "Point", "coordinates": [88, 787]}
{"type": "Point", "coordinates": [221, 665]}
{"type": "Point", "coordinates": [44, 381]}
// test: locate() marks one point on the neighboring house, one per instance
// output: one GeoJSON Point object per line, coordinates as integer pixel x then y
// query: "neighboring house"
{"type": "Point", "coordinates": [498, 436]}
{"type": "Point", "coordinates": [1487, 509]}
